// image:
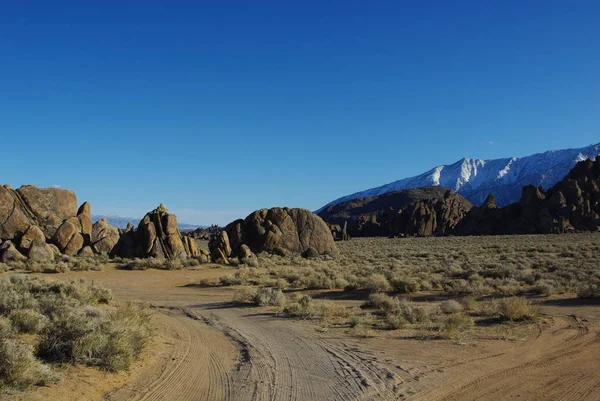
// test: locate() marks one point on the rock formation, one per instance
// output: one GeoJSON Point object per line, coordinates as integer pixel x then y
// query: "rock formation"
{"type": "Point", "coordinates": [419, 211]}
{"type": "Point", "coordinates": [159, 236]}
{"type": "Point", "coordinates": [220, 247]}
{"type": "Point", "coordinates": [573, 204]}
{"type": "Point", "coordinates": [104, 236]}
{"type": "Point", "coordinates": [276, 230]}
{"type": "Point", "coordinates": [32, 215]}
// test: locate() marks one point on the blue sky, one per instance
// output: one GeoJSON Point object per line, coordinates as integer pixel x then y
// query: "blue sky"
{"type": "Point", "coordinates": [220, 108]}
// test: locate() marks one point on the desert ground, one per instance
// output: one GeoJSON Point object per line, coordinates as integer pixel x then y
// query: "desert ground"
{"type": "Point", "coordinates": [207, 347]}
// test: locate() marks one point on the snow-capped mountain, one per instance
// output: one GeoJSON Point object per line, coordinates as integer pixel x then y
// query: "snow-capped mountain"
{"type": "Point", "coordinates": [476, 178]}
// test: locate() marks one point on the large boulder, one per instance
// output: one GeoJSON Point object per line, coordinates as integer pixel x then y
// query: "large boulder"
{"type": "Point", "coordinates": [40, 252]}
{"type": "Point", "coordinates": [9, 253]}
{"type": "Point", "coordinates": [84, 214]}
{"type": "Point", "coordinates": [32, 234]}
{"type": "Point", "coordinates": [68, 236]}
{"type": "Point", "coordinates": [220, 248]}
{"type": "Point", "coordinates": [104, 236]}
{"type": "Point", "coordinates": [46, 208]}
{"type": "Point", "coordinates": [191, 247]}
{"type": "Point", "coordinates": [272, 230]}
{"type": "Point", "coordinates": [159, 236]}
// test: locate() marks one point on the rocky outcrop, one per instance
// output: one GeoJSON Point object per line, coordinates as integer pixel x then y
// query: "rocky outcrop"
{"type": "Point", "coordinates": [191, 247]}
{"type": "Point", "coordinates": [84, 214]}
{"type": "Point", "coordinates": [68, 237]}
{"type": "Point", "coordinates": [159, 236]}
{"type": "Point", "coordinates": [420, 211]}
{"type": "Point", "coordinates": [104, 236]}
{"type": "Point", "coordinates": [8, 252]}
{"type": "Point", "coordinates": [41, 252]}
{"type": "Point", "coordinates": [277, 230]}
{"type": "Point", "coordinates": [43, 215]}
{"type": "Point", "coordinates": [33, 233]}
{"type": "Point", "coordinates": [203, 233]}
{"type": "Point", "coordinates": [46, 208]}
{"type": "Point", "coordinates": [220, 247]}
{"type": "Point", "coordinates": [573, 204]}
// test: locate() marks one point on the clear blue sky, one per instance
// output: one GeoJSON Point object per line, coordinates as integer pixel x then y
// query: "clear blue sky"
{"type": "Point", "coordinates": [220, 108]}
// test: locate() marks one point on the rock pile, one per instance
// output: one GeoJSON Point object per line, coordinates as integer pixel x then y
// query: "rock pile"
{"type": "Point", "coordinates": [276, 230]}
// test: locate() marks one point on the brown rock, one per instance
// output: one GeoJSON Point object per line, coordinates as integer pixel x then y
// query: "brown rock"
{"type": "Point", "coordinates": [84, 214]}
{"type": "Point", "coordinates": [67, 230]}
{"type": "Point", "coordinates": [191, 247]}
{"type": "Point", "coordinates": [46, 208]}
{"type": "Point", "coordinates": [32, 234]}
{"type": "Point", "coordinates": [159, 236]}
{"type": "Point", "coordinates": [87, 251]}
{"type": "Point", "coordinates": [104, 236]}
{"type": "Point", "coordinates": [9, 253]}
{"type": "Point", "coordinates": [219, 247]}
{"type": "Point", "coordinates": [74, 245]}
{"type": "Point", "coordinates": [294, 230]}
{"type": "Point", "coordinates": [40, 252]}
{"type": "Point", "coordinates": [13, 219]}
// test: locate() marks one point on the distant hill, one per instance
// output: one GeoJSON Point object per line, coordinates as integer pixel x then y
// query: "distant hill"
{"type": "Point", "coordinates": [475, 179]}
{"type": "Point", "coordinates": [351, 210]}
{"type": "Point", "coordinates": [121, 222]}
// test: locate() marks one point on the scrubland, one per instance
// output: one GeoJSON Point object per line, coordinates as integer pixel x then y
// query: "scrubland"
{"type": "Point", "coordinates": [44, 324]}
{"type": "Point", "coordinates": [465, 281]}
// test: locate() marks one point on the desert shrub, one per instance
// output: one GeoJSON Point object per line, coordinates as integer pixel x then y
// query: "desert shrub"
{"type": "Point", "coordinates": [589, 290]}
{"type": "Point", "coordinates": [517, 309]}
{"type": "Point", "coordinates": [468, 303]}
{"type": "Point", "coordinates": [544, 287]}
{"type": "Point", "coordinates": [456, 327]}
{"type": "Point", "coordinates": [72, 324]}
{"type": "Point", "coordinates": [451, 306]}
{"type": "Point", "coordinates": [6, 328]}
{"type": "Point", "coordinates": [244, 295]}
{"type": "Point", "coordinates": [376, 283]}
{"type": "Point", "coordinates": [395, 322]}
{"type": "Point", "coordinates": [266, 296]}
{"type": "Point", "coordinates": [173, 264]}
{"type": "Point", "coordinates": [27, 320]}
{"type": "Point", "coordinates": [405, 285]}
{"type": "Point", "coordinates": [20, 368]}
{"type": "Point", "coordinates": [111, 340]}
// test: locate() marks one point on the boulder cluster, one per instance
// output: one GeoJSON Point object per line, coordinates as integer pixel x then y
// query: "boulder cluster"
{"type": "Point", "coordinates": [40, 223]}
{"type": "Point", "coordinates": [572, 205]}
{"type": "Point", "coordinates": [420, 211]}
{"type": "Point", "coordinates": [278, 230]}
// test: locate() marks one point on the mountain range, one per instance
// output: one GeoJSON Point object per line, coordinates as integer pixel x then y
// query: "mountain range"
{"type": "Point", "coordinates": [121, 222]}
{"type": "Point", "coordinates": [475, 179]}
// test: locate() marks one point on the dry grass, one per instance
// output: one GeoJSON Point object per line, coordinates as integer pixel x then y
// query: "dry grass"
{"type": "Point", "coordinates": [464, 269]}
{"type": "Point", "coordinates": [65, 322]}
{"type": "Point", "coordinates": [464, 266]}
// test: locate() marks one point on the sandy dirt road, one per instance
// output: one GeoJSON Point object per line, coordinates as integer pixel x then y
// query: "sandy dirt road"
{"type": "Point", "coordinates": [206, 349]}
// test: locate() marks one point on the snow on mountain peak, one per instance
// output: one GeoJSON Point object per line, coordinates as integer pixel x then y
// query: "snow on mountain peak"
{"type": "Point", "coordinates": [476, 178]}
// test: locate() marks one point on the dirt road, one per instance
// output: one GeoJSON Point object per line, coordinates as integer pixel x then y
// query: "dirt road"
{"type": "Point", "coordinates": [208, 350]}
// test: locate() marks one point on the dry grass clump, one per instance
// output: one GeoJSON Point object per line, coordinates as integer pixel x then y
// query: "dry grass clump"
{"type": "Point", "coordinates": [307, 308]}
{"type": "Point", "coordinates": [266, 296]}
{"type": "Point", "coordinates": [451, 306]}
{"type": "Point", "coordinates": [589, 290]}
{"type": "Point", "coordinates": [457, 327]}
{"type": "Point", "coordinates": [263, 296]}
{"type": "Point", "coordinates": [161, 264]}
{"type": "Point", "coordinates": [517, 309]}
{"type": "Point", "coordinates": [70, 322]}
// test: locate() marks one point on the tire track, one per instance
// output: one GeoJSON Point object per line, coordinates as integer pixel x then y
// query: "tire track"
{"type": "Point", "coordinates": [488, 384]}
